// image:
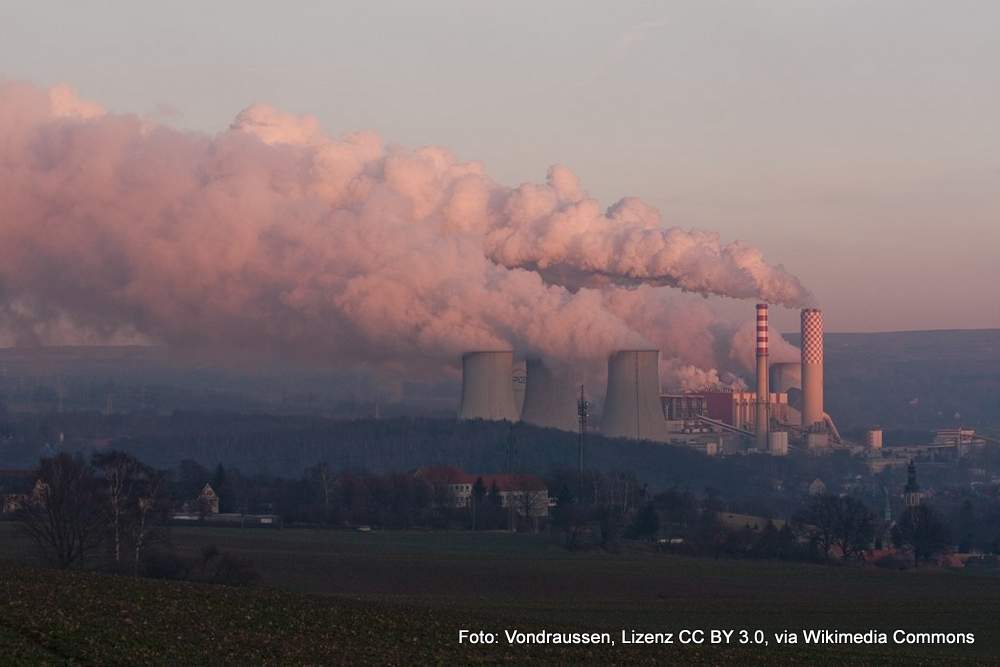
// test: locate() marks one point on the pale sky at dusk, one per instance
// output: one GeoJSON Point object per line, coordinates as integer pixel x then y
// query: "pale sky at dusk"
{"type": "Point", "coordinates": [856, 143]}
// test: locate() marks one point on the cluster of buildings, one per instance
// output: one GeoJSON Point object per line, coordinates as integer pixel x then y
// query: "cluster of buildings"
{"type": "Point", "coordinates": [205, 508]}
{"type": "Point", "coordinates": [783, 412]}
{"type": "Point", "coordinates": [18, 487]}
{"type": "Point", "coordinates": [786, 408]}
{"type": "Point", "coordinates": [527, 495]}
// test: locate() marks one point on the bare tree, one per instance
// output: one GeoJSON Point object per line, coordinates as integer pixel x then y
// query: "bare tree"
{"type": "Point", "coordinates": [121, 474]}
{"type": "Point", "coordinates": [150, 512]}
{"type": "Point", "coordinates": [855, 528]}
{"type": "Point", "coordinates": [839, 521]}
{"type": "Point", "coordinates": [529, 504]}
{"type": "Point", "coordinates": [66, 516]}
{"type": "Point", "coordinates": [921, 530]}
{"type": "Point", "coordinates": [322, 477]}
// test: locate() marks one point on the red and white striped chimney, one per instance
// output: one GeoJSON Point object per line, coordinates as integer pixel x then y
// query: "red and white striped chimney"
{"type": "Point", "coordinates": [812, 367]}
{"type": "Point", "coordinates": [763, 394]}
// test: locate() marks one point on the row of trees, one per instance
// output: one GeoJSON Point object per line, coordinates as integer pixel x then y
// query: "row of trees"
{"type": "Point", "coordinates": [844, 526]}
{"type": "Point", "coordinates": [283, 445]}
{"type": "Point", "coordinates": [324, 495]}
{"type": "Point", "coordinates": [111, 506]}
{"type": "Point", "coordinates": [830, 527]}
{"type": "Point", "coordinates": [686, 524]}
{"type": "Point", "coordinates": [115, 506]}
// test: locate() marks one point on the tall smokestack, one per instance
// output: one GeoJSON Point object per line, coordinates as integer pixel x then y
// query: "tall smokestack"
{"type": "Point", "coordinates": [763, 394]}
{"type": "Point", "coordinates": [812, 367]}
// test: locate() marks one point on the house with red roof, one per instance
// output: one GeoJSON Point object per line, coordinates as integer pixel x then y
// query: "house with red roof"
{"type": "Point", "coordinates": [527, 494]}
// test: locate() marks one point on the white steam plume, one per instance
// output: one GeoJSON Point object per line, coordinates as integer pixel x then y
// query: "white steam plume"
{"type": "Point", "coordinates": [271, 238]}
{"type": "Point", "coordinates": [557, 230]}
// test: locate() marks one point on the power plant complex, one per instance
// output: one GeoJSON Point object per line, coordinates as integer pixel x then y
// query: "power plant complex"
{"type": "Point", "coordinates": [786, 408]}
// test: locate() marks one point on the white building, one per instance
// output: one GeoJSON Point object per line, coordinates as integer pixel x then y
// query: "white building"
{"type": "Point", "coordinates": [527, 493]}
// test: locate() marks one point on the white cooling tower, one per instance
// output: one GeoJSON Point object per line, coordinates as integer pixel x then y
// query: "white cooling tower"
{"type": "Point", "coordinates": [520, 385]}
{"type": "Point", "coordinates": [785, 376]}
{"type": "Point", "coordinates": [551, 396]}
{"type": "Point", "coordinates": [812, 367]}
{"type": "Point", "coordinates": [632, 408]}
{"type": "Point", "coordinates": [487, 386]}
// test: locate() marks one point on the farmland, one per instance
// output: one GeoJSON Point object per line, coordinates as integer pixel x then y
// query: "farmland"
{"type": "Point", "coordinates": [389, 594]}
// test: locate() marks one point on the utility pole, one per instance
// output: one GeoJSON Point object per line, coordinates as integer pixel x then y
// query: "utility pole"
{"type": "Point", "coordinates": [511, 442]}
{"type": "Point", "coordinates": [510, 449]}
{"type": "Point", "coordinates": [582, 413]}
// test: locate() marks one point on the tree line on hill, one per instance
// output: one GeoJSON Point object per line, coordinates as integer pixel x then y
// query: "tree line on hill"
{"type": "Point", "coordinates": [282, 446]}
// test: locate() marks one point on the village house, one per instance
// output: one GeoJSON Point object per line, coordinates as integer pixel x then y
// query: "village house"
{"type": "Point", "coordinates": [16, 489]}
{"type": "Point", "coordinates": [526, 493]}
{"type": "Point", "coordinates": [207, 501]}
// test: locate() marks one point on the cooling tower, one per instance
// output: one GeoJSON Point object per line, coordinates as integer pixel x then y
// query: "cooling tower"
{"type": "Point", "coordinates": [487, 386]}
{"type": "Point", "coordinates": [763, 395]}
{"type": "Point", "coordinates": [632, 408]}
{"type": "Point", "coordinates": [550, 398]}
{"type": "Point", "coordinates": [519, 385]}
{"type": "Point", "coordinates": [812, 367]}
{"type": "Point", "coordinates": [785, 376]}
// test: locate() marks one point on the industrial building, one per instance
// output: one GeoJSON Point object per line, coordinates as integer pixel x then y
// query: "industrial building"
{"type": "Point", "coordinates": [785, 410]}
{"type": "Point", "coordinates": [736, 408]}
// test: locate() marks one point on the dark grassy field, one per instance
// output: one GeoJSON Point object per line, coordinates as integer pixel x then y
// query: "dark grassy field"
{"type": "Point", "coordinates": [425, 586]}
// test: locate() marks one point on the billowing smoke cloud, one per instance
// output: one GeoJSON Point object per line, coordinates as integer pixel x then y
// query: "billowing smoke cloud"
{"type": "Point", "coordinates": [685, 377]}
{"type": "Point", "coordinates": [742, 352]}
{"type": "Point", "coordinates": [271, 238]}
{"type": "Point", "coordinates": [557, 230]}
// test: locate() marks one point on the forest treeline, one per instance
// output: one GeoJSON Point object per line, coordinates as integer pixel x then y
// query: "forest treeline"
{"type": "Point", "coordinates": [283, 446]}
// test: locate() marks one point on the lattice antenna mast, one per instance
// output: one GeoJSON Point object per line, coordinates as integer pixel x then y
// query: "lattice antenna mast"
{"type": "Point", "coordinates": [582, 413]}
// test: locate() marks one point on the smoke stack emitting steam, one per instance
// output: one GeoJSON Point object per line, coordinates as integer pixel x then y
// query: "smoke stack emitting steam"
{"type": "Point", "coordinates": [763, 394]}
{"type": "Point", "coordinates": [812, 367]}
{"type": "Point", "coordinates": [272, 238]}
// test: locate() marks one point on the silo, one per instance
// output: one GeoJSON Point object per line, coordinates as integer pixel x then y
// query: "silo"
{"type": "Point", "coordinates": [873, 439]}
{"type": "Point", "coordinates": [550, 398]}
{"type": "Point", "coordinates": [762, 411]}
{"type": "Point", "coordinates": [777, 443]}
{"type": "Point", "coordinates": [487, 387]}
{"type": "Point", "coordinates": [812, 367]}
{"type": "Point", "coordinates": [632, 407]}
{"type": "Point", "coordinates": [519, 385]}
{"type": "Point", "coordinates": [785, 376]}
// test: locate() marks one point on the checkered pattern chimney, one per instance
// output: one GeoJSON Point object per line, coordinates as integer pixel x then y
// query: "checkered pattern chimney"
{"type": "Point", "coordinates": [812, 367]}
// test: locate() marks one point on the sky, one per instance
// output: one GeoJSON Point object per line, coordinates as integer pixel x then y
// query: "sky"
{"type": "Point", "coordinates": [856, 143]}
